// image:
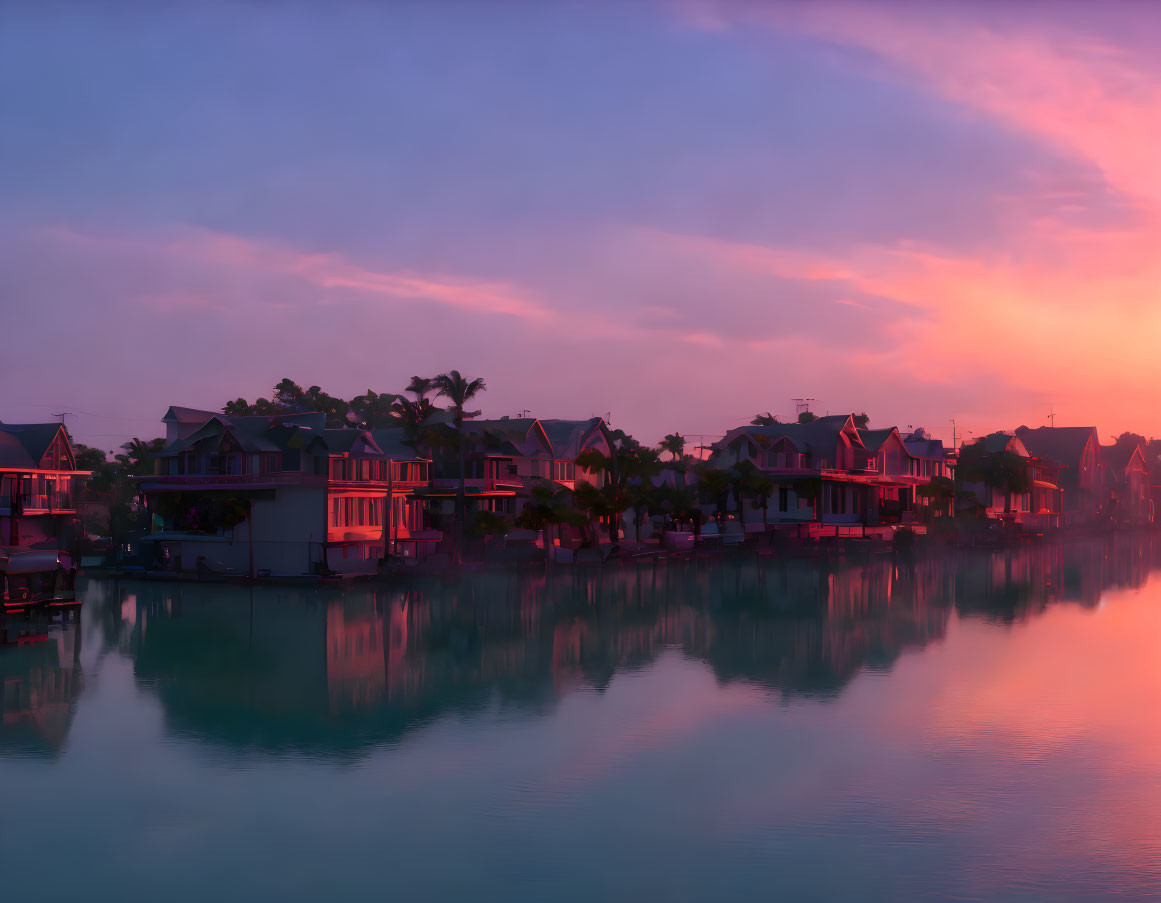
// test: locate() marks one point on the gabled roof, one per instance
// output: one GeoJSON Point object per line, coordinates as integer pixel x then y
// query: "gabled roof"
{"type": "Point", "coordinates": [506, 435]}
{"type": "Point", "coordinates": [25, 444]}
{"type": "Point", "coordinates": [253, 434]}
{"type": "Point", "coordinates": [999, 441]}
{"type": "Point", "coordinates": [819, 437]}
{"type": "Point", "coordinates": [179, 414]}
{"type": "Point", "coordinates": [1117, 457]}
{"type": "Point", "coordinates": [1064, 444]}
{"type": "Point", "coordinates": [346, 441]}
{"type": "Point", "coordinates": [874, 439]}
{"type": "Point", "coordinates": [568, 437]}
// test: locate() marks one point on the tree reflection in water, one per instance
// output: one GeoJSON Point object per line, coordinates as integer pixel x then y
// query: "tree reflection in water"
{"type": "Point", "coordinates": [338, 672]}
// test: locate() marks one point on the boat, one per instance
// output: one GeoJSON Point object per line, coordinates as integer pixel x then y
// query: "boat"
{"type": "Point", "coordinates": [33, 579]}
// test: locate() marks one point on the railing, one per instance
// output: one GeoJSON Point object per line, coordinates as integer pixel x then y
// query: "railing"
{"type": "Point", "coordinates": [281, 478]}
{"type": "Point", "coordinates": [49, 501]}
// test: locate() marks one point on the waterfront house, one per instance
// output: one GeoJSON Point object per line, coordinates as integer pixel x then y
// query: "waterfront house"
{"type": "Point", "coordinates": [1127, 485]}
{"type": "Point", "coordinates": [278, 495]}
{"type": "Point", "coordinates": [507, 457]}
{"type": "Point", "coordinates": [39, 485]}
{"type": "Point", "coordinates": [1078, 450]}
{"type": "Point", "coordinates": [824, 471]}
{"type": "Point", "coordinates": [988, 467]}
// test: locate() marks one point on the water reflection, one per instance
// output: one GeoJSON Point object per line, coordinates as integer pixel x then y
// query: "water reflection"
{"type": "Point", "coordinates": [338, 673]}
{"type": "Point", "coordinates": [40, 683]}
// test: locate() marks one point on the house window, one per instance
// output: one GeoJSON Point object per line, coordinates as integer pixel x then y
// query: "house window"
{"type": "Point", "coordinates": [783, 499]}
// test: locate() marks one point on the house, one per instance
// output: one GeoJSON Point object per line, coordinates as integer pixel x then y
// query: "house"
{"type": "Point", "coordinates": [992, 464]}
{"type": "Point", "coordinates": [1077, 449]}
{"type": "Point", "coordinates": [279, 495]}
{"type": "Point", "coordinates": [39, 485]}
{"type": "Point", "coordinates": [904, 467]}
{"type": "Point", "coordinates": [507, 457]}
{"type": "Point", "coordinates": [934, 463]}
{"type": "Point", "coordinates": [1127, 484]}
{"type": "Point", "coordinates": [825, 470]}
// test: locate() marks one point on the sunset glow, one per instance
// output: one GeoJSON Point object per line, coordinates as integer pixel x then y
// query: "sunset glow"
{"type": "Point", "coordinates": [677, 213]}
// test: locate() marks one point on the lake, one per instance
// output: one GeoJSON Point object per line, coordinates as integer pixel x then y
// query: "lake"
{"type": "Point", "coordinates": [978, 726]}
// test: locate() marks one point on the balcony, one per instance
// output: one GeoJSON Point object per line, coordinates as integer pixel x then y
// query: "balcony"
{"type": "Point", "coordinates": [45, 503]}
{"type": "Point", "coordinates": [232, 481]}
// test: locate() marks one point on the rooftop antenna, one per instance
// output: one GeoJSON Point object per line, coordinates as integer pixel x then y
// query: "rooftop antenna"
{"type": "Point", "coordinates": [525, 412]}
{"type": "Point", "coordinates": [801, 405]}
{"type": "Point", "coordinates": [1052, 416]}
{"type": "Point", "coordinates": [62, 415]}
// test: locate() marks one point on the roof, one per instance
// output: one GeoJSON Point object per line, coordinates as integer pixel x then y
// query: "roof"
{"type": "Point", "coordinates": [1061, 443]}
{"type": "Point", "coordinates": [874, 439]}
{"type": "Point", "coordinates": [253, 434]}
{"type": "Point", "coordinates": [567, 437]}
{"type": "Point", "coordinates": [187, 415]}
{"type": "Point", "coordinates": [997, 442]}
{"type": "Point", "coordinates": [24, 444]}
{"type": "Point", "coordinates": [395, 444]}
{"type": "Point", "coordinates": [819, 437]}
{"type": "Point", "coordinates": [1117, 457]}
{"type": "Point", "coordinates": [923, 446]}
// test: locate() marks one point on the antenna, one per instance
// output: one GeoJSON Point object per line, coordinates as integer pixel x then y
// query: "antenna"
{"type": "Point", "coordinates": [801, 404]}
{"type": "Point", "coordinates": [62, 415]}
{"type": "Point", "coordinates": [953, 434]}
{"type": "Point", "coordinates": [1052, 416]}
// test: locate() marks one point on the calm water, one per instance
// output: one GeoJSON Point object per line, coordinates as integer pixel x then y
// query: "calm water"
{"type": "Point", "coordinates": [981, 727]}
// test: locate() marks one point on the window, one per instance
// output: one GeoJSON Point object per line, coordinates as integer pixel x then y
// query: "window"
{"type": "Point", "coordinates": [783, 499]}
{"type": "Point", "coordinates": [565, 470]}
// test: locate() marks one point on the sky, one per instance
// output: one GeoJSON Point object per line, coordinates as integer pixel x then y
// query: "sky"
{"type": "Point", "coordinates": [676, 214]}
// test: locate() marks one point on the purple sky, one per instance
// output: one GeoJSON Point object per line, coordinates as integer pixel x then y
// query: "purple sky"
{"type": "Point", "coordinates": [679, 213]}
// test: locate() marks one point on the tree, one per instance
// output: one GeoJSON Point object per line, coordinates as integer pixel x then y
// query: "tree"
{"type": "Point", "coordinates": [459, 391]}
{"type": "Point", "coordinates": [139, 455]}
{"type": "Point", "coordinates": [628, 463]}
{"type": "Point", "coordinates": [591, 502]}
{"type": "Point", "coordinates": [1131, 440]}
{"type": "Point", "coordinates": [761, 488]}
{"type": "Point", "coordinates": [421, 387]}
{"type": "Point", "coordinates": [548, 507]}
{"type": "Point", "coordinates": [807, 417]}
{"type": "Point", "coordinates": [766, 419]}
{"type": "Point", "coordinates": [939, 492]}
{"type": "Point", "coordinates": [674, 443]}
{"type": "Point", "coordinates": [862, 421]}
{"type": "Point", "coordinates": [715, 485]}
{"type": "Point", "coordinates": [1005, 471]}
{"type": "Point", "coordinates": [373, 411]}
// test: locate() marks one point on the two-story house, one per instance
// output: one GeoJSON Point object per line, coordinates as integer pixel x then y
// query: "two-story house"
{"type": "Point", "coordinates": [39, 484]}
{"type": "Point", "coordinates": [1077, 450]}
{"type": "Point", "coordinates": [1128, 489]}
{"type": "Point", "coordinates": [507, 457]}
{"type": "Point", "coordinates": [278, 496]}
{"type": "Point", "coordinates": [987, 466]}
{"type": "Point", "coordinates": [823, 469]}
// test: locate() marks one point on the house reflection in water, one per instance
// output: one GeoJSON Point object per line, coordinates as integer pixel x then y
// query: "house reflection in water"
{"type": "Point", "coordinates": [330, 672]}
{"type": "Point", "coordinates": [40, 683]}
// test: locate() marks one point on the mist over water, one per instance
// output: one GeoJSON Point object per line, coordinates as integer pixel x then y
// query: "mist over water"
{"type": "Point", "coordinates": [975, 726]}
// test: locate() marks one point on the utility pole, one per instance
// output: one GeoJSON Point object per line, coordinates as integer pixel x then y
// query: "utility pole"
{"type": "Point", "coordinates": [953, 434]}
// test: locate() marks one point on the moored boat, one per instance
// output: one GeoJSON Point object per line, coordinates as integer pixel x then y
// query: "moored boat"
{"type": "Point", "coordinates": [37, 579]}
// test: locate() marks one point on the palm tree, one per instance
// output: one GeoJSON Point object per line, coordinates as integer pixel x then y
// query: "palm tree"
{"type": "Point", "coordinates": [674, 443]}
{"type": "Point", "coordinates": [420, 386]}
{"type": "Point", "coordinates": [459, 391]}
{"type": "Point", "coordinates": [766, 419]}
